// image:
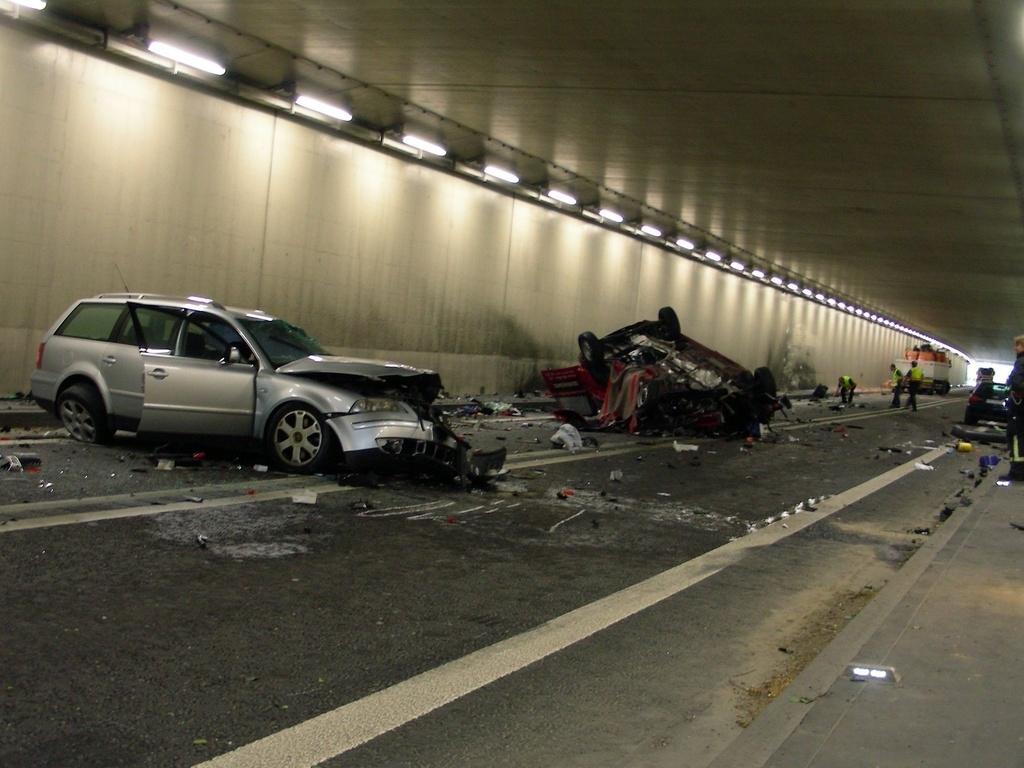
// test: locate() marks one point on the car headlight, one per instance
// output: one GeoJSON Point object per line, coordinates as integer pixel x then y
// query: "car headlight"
{"type": "Point", "coordinates": [371, 404]}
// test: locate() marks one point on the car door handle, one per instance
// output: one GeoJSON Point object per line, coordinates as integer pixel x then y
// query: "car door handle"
{"type": "Point", "coordinates": [109, 360]}
{"type": "Point", "coordinates": [158, 373]}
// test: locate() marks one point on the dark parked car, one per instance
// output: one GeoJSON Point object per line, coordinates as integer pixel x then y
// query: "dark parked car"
{"type": "Point", "coordinates": [987, 403]}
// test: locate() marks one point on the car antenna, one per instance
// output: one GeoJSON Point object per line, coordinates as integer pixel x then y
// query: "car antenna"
{"type": "Point", "coordinates": [123, 281]}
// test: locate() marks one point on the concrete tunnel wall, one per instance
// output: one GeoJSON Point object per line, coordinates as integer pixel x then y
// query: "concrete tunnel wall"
{"type": "Point", "coordinates": [106, 168]}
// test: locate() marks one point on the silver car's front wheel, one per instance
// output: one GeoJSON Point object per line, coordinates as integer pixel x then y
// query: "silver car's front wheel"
{"type": "Point", "coordinates": [298, 439]}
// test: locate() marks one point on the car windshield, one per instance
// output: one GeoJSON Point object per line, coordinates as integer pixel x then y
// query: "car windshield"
{"type": "Point", "coordinates": [281, 341]}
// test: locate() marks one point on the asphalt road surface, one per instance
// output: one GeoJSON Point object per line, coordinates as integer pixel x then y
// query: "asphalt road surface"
{"type": "Point", "coordinates": [164, 618]}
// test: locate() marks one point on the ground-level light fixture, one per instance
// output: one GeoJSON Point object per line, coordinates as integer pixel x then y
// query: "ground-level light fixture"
{"type": "Point", "coordinates": [871, 672]}
{"type": "Point", "coordinates": [422, 144]}
{"type": "Point", "coordinates": [324, 108]}
{"type": "Point", "coordinates": [647, 229]}
{"type": "Point", "coordinates": [187, 58]}
{"type": "Point", "coordinates": [608, 213]}
{"type": "Point", "coordinates": [501, 173]}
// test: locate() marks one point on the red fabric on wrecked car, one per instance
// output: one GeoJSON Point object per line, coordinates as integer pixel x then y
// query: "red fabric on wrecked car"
{"type": "Point", "coordinates": [619, 404]}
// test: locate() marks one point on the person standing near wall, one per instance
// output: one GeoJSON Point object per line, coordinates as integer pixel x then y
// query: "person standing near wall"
{"type": "Point", "coordinates": [896, 376]}
{"type": "Point", "coordinates": [1015, 429]}
{"type": "Point", "coordinates": [914, 378]}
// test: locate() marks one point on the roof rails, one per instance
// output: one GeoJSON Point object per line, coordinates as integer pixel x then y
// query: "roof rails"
{"type": "Point", "coordinates": [162, 297]}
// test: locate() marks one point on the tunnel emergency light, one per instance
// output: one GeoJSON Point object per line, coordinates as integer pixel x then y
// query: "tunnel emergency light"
{"type": "Point", "coordinates": [501, 173]}
{"type": "Point", "coordinates": [758, 274]}
{"type": "Point", "coordinates": [647, 229]}
{"type": "Point", "coordinates": [738, 266]}
{"type": "Point", "coordinates": [865, 672]}
{"type": "Point", "coordinates": [420, 143]}
{"type": "Point", "coordinates": [186, 58]}
{"type": "Point", "coordinates": [608, 213]}
{"type": "Point", "coordinates": [561, 197]}
{"type": "Point", "coordinates": [685, 244]}
{"type": "Point", "coordinates": [324, 108]}
{"type": "Point", "coordinates": [713, 256]}
{"type": "Point", "coordinates": [35, 5]}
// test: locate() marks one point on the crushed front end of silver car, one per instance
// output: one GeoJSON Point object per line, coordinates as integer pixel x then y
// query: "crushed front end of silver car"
{"type": "Point", "coordinates": [385, 418]}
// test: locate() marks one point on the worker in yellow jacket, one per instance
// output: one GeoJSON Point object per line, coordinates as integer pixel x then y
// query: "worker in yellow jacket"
{"type": "Point", "coordinates": [913, 378]}
{"type": "Point", "coordinates": [845, 388]}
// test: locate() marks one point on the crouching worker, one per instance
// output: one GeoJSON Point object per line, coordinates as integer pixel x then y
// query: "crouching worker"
{"type": "Point", "coordinates": [845, 388]}
{"type": "Point", "coordinates": [1015, 429]}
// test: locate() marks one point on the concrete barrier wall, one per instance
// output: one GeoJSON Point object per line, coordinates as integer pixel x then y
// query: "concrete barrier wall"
{"type": "Point", "coordinates": [105, 168]}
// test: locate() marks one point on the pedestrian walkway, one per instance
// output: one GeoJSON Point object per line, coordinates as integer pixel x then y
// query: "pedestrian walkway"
{"type": "Point", "coordinates": [950, 625]}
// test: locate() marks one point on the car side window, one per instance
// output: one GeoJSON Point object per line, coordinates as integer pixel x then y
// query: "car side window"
{"type": "Point", "coordinates": [207, 337]}
{"type": "Point", "coordinates": [159, 329]}
{"type": "Point", "coordinates": [91, 321]}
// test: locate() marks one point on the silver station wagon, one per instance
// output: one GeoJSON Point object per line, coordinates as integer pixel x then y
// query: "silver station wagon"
{"type": "Point", "coordinates": [190, 366]}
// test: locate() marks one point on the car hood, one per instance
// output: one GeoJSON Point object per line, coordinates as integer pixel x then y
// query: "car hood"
{"type": "Point", "coordinates": [368, 376]}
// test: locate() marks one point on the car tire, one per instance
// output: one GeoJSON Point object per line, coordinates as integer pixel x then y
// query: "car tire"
{"type": "Point", "coordinates": [970, 419]}
{"type": "Point", "coordinates": [298, 439]}
{"type": "Point", "coordinates": [591, 348]}
{"type": "Point", "coordinates": [81, 410]}
{"type": "Point", "coordinates": [669, 320]}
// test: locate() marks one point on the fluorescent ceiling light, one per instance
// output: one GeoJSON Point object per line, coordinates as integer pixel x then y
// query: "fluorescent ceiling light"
{"type": "Point", "coordinates": [842, 305]}
{"type": "Point", "coordinates": [35, 5]}
{"type": "Point", "coordinates": [776, 280]}
{"type": "Point", "coordinates": [647, 229]}
{"type": "Point", "coordinates": [758, 274]}
{"type": "Point", "coordinates": [685, 244]}
{"type": "Point", "coordinates": [713, 256]}
{"type": "Point", "coordinates": [737, 265]}
{"type": "Point", "coordinates": [819, 296]}
{"type": "Point", "coordinates": [874, 317]}
{"type": "Point", "coordinates": [186, 58]}
{"type": "Point", "coordinates": [793, 286]}
{"type": "Point", "coordinates": [420, 143]}
{"type": "Point", "coordinates": [806, 291]}
{"type": "Point", "coordinates": [324, 108]}
{"type": "Point", "coordinates": [608, 213]}
{"type": "Point", "coordinates": [562, 197]}
{"type": "Point", "coordinates": [501, 173]}
{"type": "Point", "coordinates": [859, 311]}
{"type": "Point", "coordinates": [831, 301]}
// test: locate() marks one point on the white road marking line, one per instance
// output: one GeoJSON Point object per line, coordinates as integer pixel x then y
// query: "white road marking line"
{"type": "Point", "coordinates": [406, 509]}
{"type": "Point", "coordinates": [75, 518]}
{"type": "Point", "coordinates": [425, 515]}
{"type": "Point", "coordinates": [333, 733]}
{"type": "Point", "coordinates": [571, 517]}
{"type": "Point", "coordinates": [142, 495]}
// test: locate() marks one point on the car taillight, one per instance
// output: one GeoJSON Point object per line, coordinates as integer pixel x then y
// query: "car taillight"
{"type": "Point", "coordinates": [39, 355]}
{"type": "Point", "coordinates": [974, 400]}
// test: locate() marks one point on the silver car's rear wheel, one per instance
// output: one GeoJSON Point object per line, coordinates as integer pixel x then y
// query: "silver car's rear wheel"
{"type": "Point", "coordinates": [298, 439]}
{"type": "Point", "coordinates": [83, 415]}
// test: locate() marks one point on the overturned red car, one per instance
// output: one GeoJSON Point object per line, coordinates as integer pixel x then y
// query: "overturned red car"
{"type": "Point", "coordinates": [648, 376]}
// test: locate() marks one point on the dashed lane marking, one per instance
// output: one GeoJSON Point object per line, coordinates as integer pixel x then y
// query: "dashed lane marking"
{"type": "Point", "coordinates": [75, 518]}
{"type": "Point", "coordinates": [333, 733]}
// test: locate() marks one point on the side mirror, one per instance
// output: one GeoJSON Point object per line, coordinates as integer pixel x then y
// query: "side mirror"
{"type": "Point", "coordinates": [233, 355]}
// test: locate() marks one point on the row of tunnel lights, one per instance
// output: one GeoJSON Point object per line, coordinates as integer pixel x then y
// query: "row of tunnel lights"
{"type": "Point", "coordinates": [416, 143]}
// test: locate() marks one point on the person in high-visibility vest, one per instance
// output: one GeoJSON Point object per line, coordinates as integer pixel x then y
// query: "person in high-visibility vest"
{"type": "Point", "coordinates": [896, 376]}
{"type": "Point", "coordinates": [845, 388]}
{"type": "Point", "coordinates": [1015, 428]}
{"type": "Point", "coordinates": [914, 378]}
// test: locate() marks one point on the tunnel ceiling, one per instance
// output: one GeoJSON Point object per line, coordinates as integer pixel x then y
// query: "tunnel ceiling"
{"type": "Point", "coordinates": [873, 147]}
